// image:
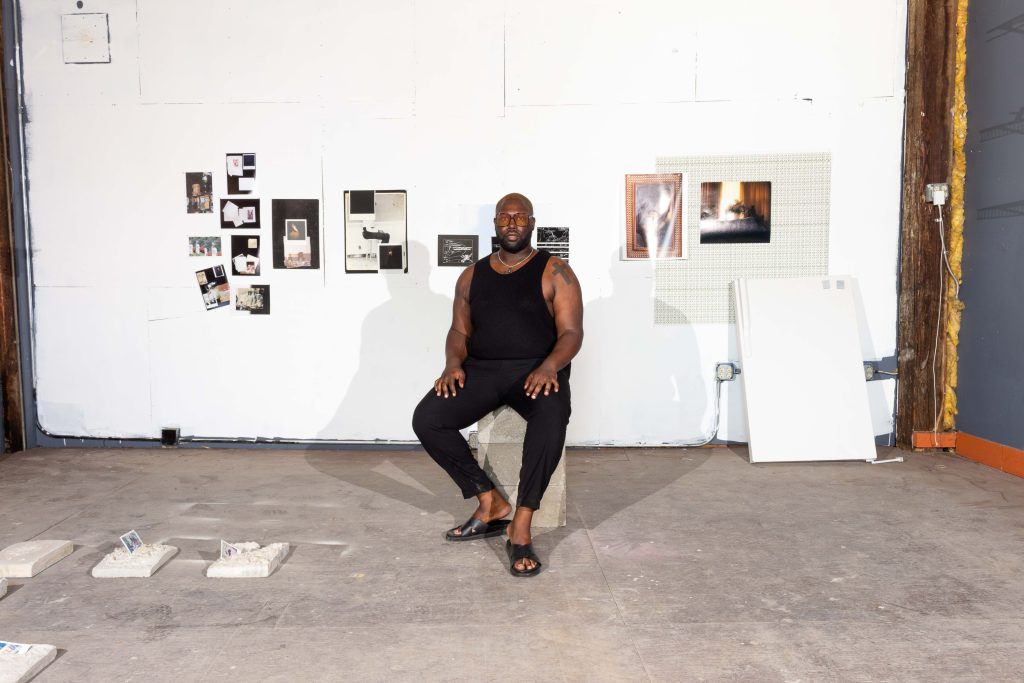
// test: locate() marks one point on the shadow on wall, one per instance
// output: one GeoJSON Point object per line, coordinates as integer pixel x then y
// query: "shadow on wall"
{"type": "Point", "coordinates": [639, 383]}
{"type": "Point", "coordinates": [390, 380]}
{"type": "Point", "coordinates": [396, 337]}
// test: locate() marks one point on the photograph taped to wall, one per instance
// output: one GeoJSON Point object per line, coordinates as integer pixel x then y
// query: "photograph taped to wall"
{"type": "Point", "coordinates": [735, 212]}
{"type": "Point", "coordinates": [245, 255]}
{"type": "Point", "coordinates": [202, 245]}
{"type": "Point", "coordinates": [555, 241]}
{"type": "Point", "coordinates": [457, 250]}
{"type": "Point", "coordinates": [391, 257]}
{"type": "Point", "coordinates": [296, 216]}
{"type": "Point", "coordinates": [213, 285]}
{"type": "Point", "coordinates": [363, 237]}
{"type": "Point", "coordinates": [297, 253]}
{"type": "Point", "coordinates": [295, 228]}
{"type": "Point", "coordinates": [239, 213]}
{"type": "Point", "coordinates": [254, 299]}
{"type": "Point", "coordinates": [241, 170]}
{"type": "Point", "coordinates": [361, 205]}
{"type": "Point", "coordinates": [654, 216]}
{"type": "Point", "coordinates": [199, 192]}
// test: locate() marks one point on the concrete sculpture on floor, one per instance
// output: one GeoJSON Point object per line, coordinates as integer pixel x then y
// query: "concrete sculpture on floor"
{"type": "Point", "coordinates": [3, 587]}
{"type": "Point", "coordinates": [500, 454]}
{"type": "Point", "coordinates": [253, 562]}
{"type": "Point", "coordinates": [141, 564]}
{"type": "Point", "coordinates": [18, 667]}
{"type": "Point", "coordinates": [25, 560]}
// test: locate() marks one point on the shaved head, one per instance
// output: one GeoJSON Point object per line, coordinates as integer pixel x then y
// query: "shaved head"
{"type": "Point", "coordinates": [514, 196]}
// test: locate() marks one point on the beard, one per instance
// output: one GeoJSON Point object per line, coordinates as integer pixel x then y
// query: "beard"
{"type": "Point", "coordinates": [522, 243]}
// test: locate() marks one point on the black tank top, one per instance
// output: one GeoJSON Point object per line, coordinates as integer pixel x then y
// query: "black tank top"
{"type": "Point", "coordinates": [509, 314]}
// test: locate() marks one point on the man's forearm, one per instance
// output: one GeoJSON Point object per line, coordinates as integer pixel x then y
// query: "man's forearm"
{"type": "Point", "coordinates": [566, 348]}
{"type": "Point", "coordinates": [455, 349]}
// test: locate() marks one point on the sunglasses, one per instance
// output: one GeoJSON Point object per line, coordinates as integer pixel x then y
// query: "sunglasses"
{"type": "Point", "coordinates": [520, 219]}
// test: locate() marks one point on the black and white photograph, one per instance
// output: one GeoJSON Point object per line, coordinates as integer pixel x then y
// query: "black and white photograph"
{"type": "Point", "coordinates": [240, 214]}
{"type": "Point", "coordinates": [199, 192]}
{"type": "Point", "coordinates": [245, 255]}
{"type": "Point", "coordinates": [369, 226]}
{"type": "Point", "coordinates": [555, 241]}
{"type": "Point", "coordinates": [241, 169]}
{"type": "Point", "coordinates": [457, 250]}
{"type": "Point", "coordinates": [654, 216]}
{"type": "Point", "coordinates": [213, 284]}
{"type": "Point", "coordinates": [295, 226]}
{"type": "Point", "coordinates": [735, 212]}
{"type": "Point", "coordinates": [204, 245]}
{"type": "Point", "coordinates": [132, 541]}
{"type": "Point", "coordinates": [254, 299]}
{"type": "Point", "coordinates": [495, 244]}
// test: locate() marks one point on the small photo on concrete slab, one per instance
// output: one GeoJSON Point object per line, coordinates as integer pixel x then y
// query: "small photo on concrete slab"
{"type": "Point", "coordinates": [251, 562]}
{"type": "Point", "coordinates": [23, 662]}
{"type": "Point", "coordinates": [142, 563]}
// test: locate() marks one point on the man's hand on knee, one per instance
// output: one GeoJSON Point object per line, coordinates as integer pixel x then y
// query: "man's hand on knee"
{"type": "Point", "coordinates": [449, 379]}
{"type": "Point", "coordinates": [544, 378]}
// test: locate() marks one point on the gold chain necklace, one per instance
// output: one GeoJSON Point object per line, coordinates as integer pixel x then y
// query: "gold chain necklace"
{"type": "Point", "coordinates": [508, 268]}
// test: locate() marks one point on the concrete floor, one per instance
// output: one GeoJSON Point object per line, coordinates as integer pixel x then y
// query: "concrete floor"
{"type": "Point", "coordinates": [676, 565]}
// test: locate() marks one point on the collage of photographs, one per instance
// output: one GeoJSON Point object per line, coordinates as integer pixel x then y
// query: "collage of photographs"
{"type": "Point", "coordinates": [376, 228]}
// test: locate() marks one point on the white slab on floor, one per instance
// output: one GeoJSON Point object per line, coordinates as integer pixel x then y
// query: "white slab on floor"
{"type": "Point", "coordinates": [3, 587]}
{"type": "Point", "coordinates": [24, 667]}
{"type": "Point", "coordinates": [141, 564]}
{"type": "Point", "coordinates": [253, 562]}
{"type": "Point", "coordinates": [25, 560]}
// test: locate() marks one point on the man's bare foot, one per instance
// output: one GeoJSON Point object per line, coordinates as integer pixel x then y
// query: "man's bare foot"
{"type": "Point", "coordinates": [519, 534]}
{"type": "Point", "coordinates": [492, 506]}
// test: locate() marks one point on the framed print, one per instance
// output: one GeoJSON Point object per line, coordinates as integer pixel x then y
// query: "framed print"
{"type": "Point", "coordinates": [240, 213]}
{"type": "Point", "coordinates": [555, 241]}
{"type": "Point", "coordinates": [736, 212]}
{"type": "Point", "coordinates": [372, 225]}
{"type": "Point", "coordinates": [295, 231]}
{"type": "Point", "coordinates": [241, 168]}
{"type": "Point", "coordinates": [213, 285]}
{"type": "Point", "coordinates": [654, 216]}
{"type": "Point", "coordinates": [457, 250]}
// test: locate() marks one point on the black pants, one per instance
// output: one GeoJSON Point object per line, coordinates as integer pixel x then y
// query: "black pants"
{"type": "Point", "coordinates": [489, 385]}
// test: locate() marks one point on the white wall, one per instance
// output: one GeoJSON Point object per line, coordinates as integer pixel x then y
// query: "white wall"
{"type": "Point", "coordinates": [458, 103]}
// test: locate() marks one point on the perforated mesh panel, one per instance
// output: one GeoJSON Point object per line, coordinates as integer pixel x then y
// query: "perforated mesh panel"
{"type": "Point", "coordinates": [697, 290]}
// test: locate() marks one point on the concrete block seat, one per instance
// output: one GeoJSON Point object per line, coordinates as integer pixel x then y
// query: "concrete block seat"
{"type": "Point", "coordinates": [500, 453]}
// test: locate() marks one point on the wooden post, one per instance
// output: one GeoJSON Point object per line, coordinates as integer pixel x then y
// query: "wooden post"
{"type": "Point", "coordinates": [10, 358]}
{"type": "Point", "coordinates": [927, 157]}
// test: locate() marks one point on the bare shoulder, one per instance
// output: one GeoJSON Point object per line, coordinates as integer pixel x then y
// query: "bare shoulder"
{"type": "Point", "coordinates": [559, 271]}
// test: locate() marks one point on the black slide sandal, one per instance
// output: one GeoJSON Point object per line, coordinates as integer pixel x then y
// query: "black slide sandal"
{"type": "Point", "coordinates": [518, 552]}
{"type": "Point", "coordinates": [475, 528]}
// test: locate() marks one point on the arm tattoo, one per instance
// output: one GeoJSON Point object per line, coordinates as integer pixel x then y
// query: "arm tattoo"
{"type": "Point", "coordinates": [560, 269]}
